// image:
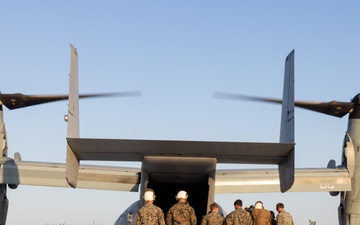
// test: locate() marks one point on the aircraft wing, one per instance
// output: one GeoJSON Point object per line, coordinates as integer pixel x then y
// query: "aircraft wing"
{"type": "Point", "coordinates": [267, 180]}
{"type": "Point", "coordinates": [128, 179]}
{"type": "Point", "coordinates": [53, 175]}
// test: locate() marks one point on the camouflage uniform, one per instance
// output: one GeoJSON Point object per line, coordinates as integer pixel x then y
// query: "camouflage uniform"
{"type": "Point", "coordinates": [261, 217]}
{"type": "Point", "coordinates": [238, 217]}
{"type": "Point", "coordinates": [284, 218]}
{"type": "Point", "coordinates": [212, 218]}
{"type": "Point", "coordinates": [150, 214]}
{"type": "Point", "coordinates": [181, 214]}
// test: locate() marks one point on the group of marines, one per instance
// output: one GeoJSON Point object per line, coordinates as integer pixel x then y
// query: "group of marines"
{"type": "Point", "coordinates": [183, 214]}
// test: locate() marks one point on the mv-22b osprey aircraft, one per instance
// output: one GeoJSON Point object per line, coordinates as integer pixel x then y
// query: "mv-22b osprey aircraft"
{"type": "Point", "coordinates": [169, 166]}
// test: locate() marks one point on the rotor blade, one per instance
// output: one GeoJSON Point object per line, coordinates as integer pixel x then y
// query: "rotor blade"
{"type": "Point", "coordinates": [117, 94]}
{"type": "Point", "coordinates": [332, 108]}
{"type": "Point", "coordinates": [230, 96]}
{"type": "Point", "coordinates": [18, 100]}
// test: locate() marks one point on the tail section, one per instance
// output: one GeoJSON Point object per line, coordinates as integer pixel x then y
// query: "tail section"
{"type": "Point", "coordinates": [73, 131]}
{"type": "Point", "coordinates": [287, 133]}
{"type": "Point", "coordinates": [287, 114]}
{"type": "Point", "coordinates": [73, 108]}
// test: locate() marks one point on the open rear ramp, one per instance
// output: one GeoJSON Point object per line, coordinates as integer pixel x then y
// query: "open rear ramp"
{"type": "Point", "coordinates": [169, 175]}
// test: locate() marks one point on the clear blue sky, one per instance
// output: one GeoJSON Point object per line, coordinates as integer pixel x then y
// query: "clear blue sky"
{"type": "Point", "coordinates": [177, 53]}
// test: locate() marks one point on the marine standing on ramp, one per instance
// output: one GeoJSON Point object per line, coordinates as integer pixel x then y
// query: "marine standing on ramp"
{"type": "Point", "coordinates": [181, 213]}
{"type": "Point", "coordinates": [150, 214]}
{"type": "Point", "coordinates": [238, 216]}
{"type": "Point", "coordinates": [260, 215]}
{"type": "Point", "coordinates": [283, 217]}
{"type": "Point", "coordinates": [213, 217]}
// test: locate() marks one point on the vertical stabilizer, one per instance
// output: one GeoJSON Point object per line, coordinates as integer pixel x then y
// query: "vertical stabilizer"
{"type": "Point", "coordinates": [287, 131]}
{"type": "Point", "coordinates": [287, 114]}
{"type": "Point", "coordinates": [73, 131]}
{"type": "Point", "coordinates": [73, 107]}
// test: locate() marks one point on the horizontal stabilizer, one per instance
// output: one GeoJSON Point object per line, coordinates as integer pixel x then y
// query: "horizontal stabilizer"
{"type": "Point", "coordinates": [135, 150]}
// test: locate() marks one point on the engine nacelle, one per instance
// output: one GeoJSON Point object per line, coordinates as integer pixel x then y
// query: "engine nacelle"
{"type": "Point", "coordinates": [348, 158]}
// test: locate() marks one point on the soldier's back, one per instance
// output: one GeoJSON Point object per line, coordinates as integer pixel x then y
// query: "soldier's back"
{"type": "Point", "coordinates": [150, 214]}
{"type": "Point", "coordinates": [284, 218]}
{"type": "Point", "coordinates": [261, 217]}
{"type": "Point", "coordinates": [238, 217]}
{"type": "Point", "coordinates": [212, 218]}
{"type": "Point", "coordinates": [181, 214]}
